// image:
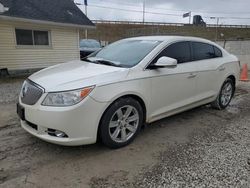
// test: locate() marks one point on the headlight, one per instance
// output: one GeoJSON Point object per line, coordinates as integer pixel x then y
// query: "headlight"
{"type": "Point", "coordinates": [67, 98]}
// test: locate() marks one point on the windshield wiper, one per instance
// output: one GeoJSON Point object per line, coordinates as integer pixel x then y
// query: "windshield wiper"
{"type": "Point", "coordinates": [106, 62]}
{"type": "Point", "coordinates": [91, 61]}
{"type": "Point", "coordinates": [86, 59]}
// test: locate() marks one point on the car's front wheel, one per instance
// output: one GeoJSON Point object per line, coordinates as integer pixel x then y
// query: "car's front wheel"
{"type": "Point", "coordinates": [121, 123]}
{"type": "Point", "coordinates": [225, 96]}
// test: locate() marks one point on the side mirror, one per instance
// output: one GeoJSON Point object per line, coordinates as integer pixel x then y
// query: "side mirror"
{"type": "Point", "coordinates": [165, 62]}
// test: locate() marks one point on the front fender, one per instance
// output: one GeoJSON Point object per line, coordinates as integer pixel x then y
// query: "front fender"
{"type": "Point", "coordinates": [111, 92]}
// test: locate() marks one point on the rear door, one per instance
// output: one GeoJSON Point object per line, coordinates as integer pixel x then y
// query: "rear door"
{"type": "Point", "coordinates": [209, 61]}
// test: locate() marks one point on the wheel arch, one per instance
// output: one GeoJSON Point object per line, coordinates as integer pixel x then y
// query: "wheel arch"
{"type": "Point", "coordinates": [216, 103]}
{"type": "Point", "coordinates": [233, 78]}
{"type": "Point", "coordinates": [134, 96]}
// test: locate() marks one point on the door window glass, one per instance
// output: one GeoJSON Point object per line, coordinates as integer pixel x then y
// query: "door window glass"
{"type": "Point", "coordinates": [179, 51]}
{"type": "Point", "coordinates": [203, 51]}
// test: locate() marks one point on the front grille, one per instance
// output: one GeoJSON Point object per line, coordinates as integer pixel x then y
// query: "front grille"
{"type": "Point", "coordinates": [30, 93]}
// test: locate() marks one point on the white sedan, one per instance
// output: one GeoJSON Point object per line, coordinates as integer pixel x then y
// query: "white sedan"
{"type": "Point", "coordinates": [113, 92]}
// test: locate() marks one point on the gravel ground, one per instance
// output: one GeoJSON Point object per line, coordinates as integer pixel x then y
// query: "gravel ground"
{"type": "Point", "coordinates": [218, 155]}
{"type": "Point", "coordinates": [9, 90]}
{"type": "Point", "coordinates": [198, 148]}
{"type": "Point", "coordinates": [213, 158]}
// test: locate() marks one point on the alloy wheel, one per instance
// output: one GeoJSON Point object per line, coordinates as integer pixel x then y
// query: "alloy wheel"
{"type": "Point", "coordinates": [226, 94]}
{"type": "Point", "coordinates": [124, 123]}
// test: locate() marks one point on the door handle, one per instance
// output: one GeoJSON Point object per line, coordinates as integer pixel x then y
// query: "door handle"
{"type": "Point", "coordinates": [222, 68]}
{"type": "Point", "coordinates": [192, 75]}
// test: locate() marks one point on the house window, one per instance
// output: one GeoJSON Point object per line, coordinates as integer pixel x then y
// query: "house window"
{"type": "Point", "coordinates": [32, 37]}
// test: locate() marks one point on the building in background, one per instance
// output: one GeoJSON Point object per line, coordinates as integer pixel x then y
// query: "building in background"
{"type": "Point", "coordinates": [38, 33]}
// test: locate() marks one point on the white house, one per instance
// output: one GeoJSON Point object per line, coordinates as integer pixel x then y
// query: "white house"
{"type": "Point", "coordinates": [38, 33]}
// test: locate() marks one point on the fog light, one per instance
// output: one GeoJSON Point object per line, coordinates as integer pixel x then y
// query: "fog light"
{"type": "Point", "coordinates": [57, 133]}
{"type": "Point", "coordinates": [60, 134]}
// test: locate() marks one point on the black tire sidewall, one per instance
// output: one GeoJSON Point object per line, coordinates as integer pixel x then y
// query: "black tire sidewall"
{"type": "Point", "coordinates": [104, 124]}
{"type": "Point", "coordinates": [228, 80]}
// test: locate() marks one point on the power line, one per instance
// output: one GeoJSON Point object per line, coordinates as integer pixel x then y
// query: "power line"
{"type": "Point", "coordinates": [177, 10]}
{"type": "Point", "coordinates": [198, 11]}
{"type": "Point", "coordinates": [123, 3]}
{"type": "Point", "coordinates": [221, 17]}
{"type": "Point", "coordinates": [113, 8]}
{"type": "Point", "coordinates": [129, 10]}
{"type": "Point", "coordinates": [159, 13]}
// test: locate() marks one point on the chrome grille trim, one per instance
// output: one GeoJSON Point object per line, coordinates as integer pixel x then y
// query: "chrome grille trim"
{"type": "Point", "coordinates": [31, 92]}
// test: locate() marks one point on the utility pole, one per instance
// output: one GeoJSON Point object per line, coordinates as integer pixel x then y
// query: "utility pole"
{"type": "Point", "coordinates": [217, 26]}
{"type": "Point", "coordinates": [190, 15]}
{"type": "Point", "coordinates": [86, 13]}
{"type": "Point", "coordinates": [144, 7]}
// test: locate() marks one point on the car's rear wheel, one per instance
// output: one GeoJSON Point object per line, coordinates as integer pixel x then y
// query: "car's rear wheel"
{"type": "Point", "coordinates": [121, 123]}
{"type": "Point", "coordinates": [225, 96]}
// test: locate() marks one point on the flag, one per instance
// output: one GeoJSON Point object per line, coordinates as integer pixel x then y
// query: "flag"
{"type": "Point", "coordinates": [186, 14]}
{"type": "Point", "coordinates": [86, 2]}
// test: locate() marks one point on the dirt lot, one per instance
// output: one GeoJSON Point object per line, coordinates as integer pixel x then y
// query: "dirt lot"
{"type": "Point", "coordinates": [199, 148]}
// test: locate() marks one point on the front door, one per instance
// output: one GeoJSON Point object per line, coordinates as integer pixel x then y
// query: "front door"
{"type": "Point", "coordinates": [173, 88]}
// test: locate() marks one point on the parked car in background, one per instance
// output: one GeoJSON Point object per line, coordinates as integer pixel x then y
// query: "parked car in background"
{"type": "Point", "coordinates": [88, 46]}
{"type": "Point", "coordinates": [115, 91]}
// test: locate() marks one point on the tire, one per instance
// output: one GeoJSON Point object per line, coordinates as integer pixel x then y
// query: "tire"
{"type": "Point", "coordinates": [221, 102]}
{"type": "Point", "coordinates": [116, 127]}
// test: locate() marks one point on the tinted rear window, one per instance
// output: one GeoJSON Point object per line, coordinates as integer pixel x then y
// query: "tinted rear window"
{"type": "Point", "coordinates": [203, 51]}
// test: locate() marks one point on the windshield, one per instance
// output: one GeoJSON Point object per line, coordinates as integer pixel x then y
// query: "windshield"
{"type": "Point", "coordinates": [127, 53]}
{"type": "Point", "coordinates": [89, 44]}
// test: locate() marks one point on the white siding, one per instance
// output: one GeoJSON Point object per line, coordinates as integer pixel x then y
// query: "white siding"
{"type": "Point", "coordinates": [64, 47]}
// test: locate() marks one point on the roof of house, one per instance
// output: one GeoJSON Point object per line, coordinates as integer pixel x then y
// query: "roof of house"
{"type": "Point", "coordinates": [59, 11]}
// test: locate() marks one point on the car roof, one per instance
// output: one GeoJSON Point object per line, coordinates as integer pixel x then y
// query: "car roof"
{"type": "Point", "coordinates": [171, 38]}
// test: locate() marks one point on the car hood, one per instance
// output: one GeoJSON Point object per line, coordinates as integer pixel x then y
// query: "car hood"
{"type": "Point", "coordinates": [77, 74]}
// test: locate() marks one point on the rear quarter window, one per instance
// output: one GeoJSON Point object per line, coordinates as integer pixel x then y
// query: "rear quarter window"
{"type": "Point", "coordinates": [217, 52]}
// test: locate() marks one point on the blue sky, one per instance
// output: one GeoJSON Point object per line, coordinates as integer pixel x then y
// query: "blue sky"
{"type": "Point", "coordinates": [229, 11]}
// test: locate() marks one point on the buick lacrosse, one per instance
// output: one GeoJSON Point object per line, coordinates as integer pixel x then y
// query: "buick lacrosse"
{"type": "Point", "coordinates": [114, 91]}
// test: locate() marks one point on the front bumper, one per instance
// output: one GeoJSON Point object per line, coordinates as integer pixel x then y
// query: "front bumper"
{"type": "Point", "coordinates": [80, 122]}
